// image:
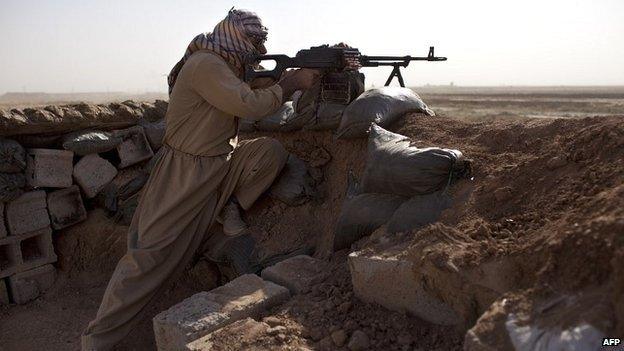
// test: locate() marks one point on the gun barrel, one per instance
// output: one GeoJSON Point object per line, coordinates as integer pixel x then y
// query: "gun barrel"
{"type": "Point", "coordinates": [401, 58]}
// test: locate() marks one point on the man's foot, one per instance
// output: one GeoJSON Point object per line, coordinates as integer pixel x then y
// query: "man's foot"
{"type": "Point", "coordinates": [230, 218]}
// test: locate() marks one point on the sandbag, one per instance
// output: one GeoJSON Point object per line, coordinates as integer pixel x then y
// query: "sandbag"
{"type": "Point", "coordinates": [283, 120]}
{"type": "Point", "coordinates": [12, 156]}
{"type": "Point", "coordinates": [90, 142]}
{"type": "Point", "coordinates": [382, 106]}
{"type": "Point", "coordinates": [418, 212]}
{"type": "Point", "coordinates": [327, 117]}
{"type": "Point", "coordinates": [294, 185]}
{"type": "Point", "coordinates": [393, 166]}
{"type": "Point", "coordinates": [361, 215]}
{"type": "Point", "coordinates": [11, 186]}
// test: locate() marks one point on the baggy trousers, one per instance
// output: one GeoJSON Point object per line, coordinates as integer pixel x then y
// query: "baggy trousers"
{"type": "Point", "coordinates": [179, 204]}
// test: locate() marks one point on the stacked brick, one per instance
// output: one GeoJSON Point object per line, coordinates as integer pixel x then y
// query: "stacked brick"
{"type": "Point", "coordinates": [55, 163]}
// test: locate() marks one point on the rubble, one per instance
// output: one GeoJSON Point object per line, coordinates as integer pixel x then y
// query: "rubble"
{"type": "Point", "coordinates": [205, 312]}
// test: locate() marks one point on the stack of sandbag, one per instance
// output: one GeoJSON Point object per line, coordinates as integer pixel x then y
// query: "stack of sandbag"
{"type": "Point", "coordinates": [349, 119]}
{"type": "Point", "coordinates": [402, 186]}
{"type": "Point", "coordinates": [61, 161]}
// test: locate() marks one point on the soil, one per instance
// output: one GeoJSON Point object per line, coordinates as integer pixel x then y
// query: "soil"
{"type": "Point", "coordinates": [545, 209]}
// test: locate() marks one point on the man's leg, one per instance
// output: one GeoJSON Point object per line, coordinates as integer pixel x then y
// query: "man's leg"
{"type": "Point", "coordinates": [254, 166]}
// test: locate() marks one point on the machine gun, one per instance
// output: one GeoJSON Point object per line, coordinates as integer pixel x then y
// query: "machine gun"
{"type": "Point", "coordinates": [331, 59]}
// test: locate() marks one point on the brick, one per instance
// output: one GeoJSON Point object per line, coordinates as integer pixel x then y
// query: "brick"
{"type": "Point", "coordinates": [245, 331]}
{"type": "Point", "coordinates": [3, 230]}
{"type": "Point", "coordinates": [392, 283]}
{"type": "Point", "coordinates": [92, 173]}
{"type": "Point", "coordinates": [27, 213]}
{"type": "Point", "coordinates": [27, 286]}
{"type": "Point", "coordinates": [205, 312]}
{"type": "Point", "coordinates": [134, 148]}
{"type": "Point", "coordinates": [4, 293]}
{"type": "Point", "coordinates": [49, 168]}
{"type": "Point", "coordinates": [65, 207]}
{"type": "Point", "coordinates": [298, 273]}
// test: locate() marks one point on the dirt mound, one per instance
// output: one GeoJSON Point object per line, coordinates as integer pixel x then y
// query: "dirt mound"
{"type": "Point", "coordinates": [544, 212]}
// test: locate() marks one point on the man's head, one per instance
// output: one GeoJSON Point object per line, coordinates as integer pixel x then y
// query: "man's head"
{"type": "Point", "coordinates": [252, 27]}
{"type": "Point", "coordinates": [241, 32]}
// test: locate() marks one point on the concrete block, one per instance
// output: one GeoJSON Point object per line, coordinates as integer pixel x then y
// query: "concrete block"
{"type": "Point", "coordinates": [26, 251]}
{"type": "Point", "coordinates": [245, 331]}
{"type": "Point", "coordinates": [49, 168]}
{"type": "Point", "coordinates": [27, 286]}
{"type": "Point", "coordinates": [205, 312]}
{"type": "Point", "coordinates": [92, 173]}
{"type": "Point", "coordinates": [155, 133]}
{"type": "Point", "coordinates": [298, 273]}
{"type": "Point", "coordinates": [393, 283]}
{"type": "Point", "coordinates": [4, 293]}
{"type": "Point", "coordinates": [134, 148]}
{"type": "Point", "coordinates": [3, 230]}
{"type": "Point", "coordinates": [27, 213]}
{"type": "Point", "coordinates": [10, 257]}
{"type": "Point", "coordinates": [65, 207]}
{"type": "Point", "coordinates": [36, 249]}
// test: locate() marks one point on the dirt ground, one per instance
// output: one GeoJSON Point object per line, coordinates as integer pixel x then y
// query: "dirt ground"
{"type": "Point", "coordinates": [547, 200]}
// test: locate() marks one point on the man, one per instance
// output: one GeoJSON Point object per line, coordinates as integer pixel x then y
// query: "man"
{"type": "Point", "coordinates": [204, 173]}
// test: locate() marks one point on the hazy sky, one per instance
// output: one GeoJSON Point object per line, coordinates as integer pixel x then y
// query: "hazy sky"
{"type": "Point", "coordinates": [130, 45]}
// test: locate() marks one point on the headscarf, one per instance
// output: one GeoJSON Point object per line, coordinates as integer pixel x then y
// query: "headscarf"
{"type": "Point", "coordinates": [241, 33]}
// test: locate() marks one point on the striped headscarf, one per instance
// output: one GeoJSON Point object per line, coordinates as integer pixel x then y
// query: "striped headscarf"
{"type": "Point", "coordinates": [239, 34]}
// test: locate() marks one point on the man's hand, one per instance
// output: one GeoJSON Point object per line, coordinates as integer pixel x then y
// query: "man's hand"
{"type": "Point", "coordinates": [299, 79]}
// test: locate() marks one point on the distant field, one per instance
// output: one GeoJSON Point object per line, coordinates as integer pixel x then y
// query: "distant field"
{"type": "Point", "coordinates": [522, 102]}
{"type": "Point", "coordinates": [462, 102]}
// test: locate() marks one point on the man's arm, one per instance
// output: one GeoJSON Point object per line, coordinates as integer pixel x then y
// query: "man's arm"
{"type": "Point", "coordinates": [214, 81]}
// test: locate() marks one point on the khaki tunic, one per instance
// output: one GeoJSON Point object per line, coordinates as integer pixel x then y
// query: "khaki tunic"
{"type": "Point", "coordinates": [201, 166]}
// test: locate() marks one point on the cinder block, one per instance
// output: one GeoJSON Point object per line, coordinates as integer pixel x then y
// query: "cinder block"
{"type": "Point", "coordinates": [134, 148]}
{"type": "Point", "coordinates": [392, 283]}
{"type": "Point", "coordinates": [49, 168]}
{"type": "Point", "coordinates": [205, 312]}
{"type": "Point", "coordinates": [3, 230]}
{"type": "Point", "coordinates": [65, 207]}
{"type": "Point", "coordinates": [155, 133]}
{"type": "Point", "coordinates": [27, 286]}
{"type": "Point", "coordinates": [27, 213]}
{"type": "Point", "coordinates": [92, 173]}
{"type": "Point", "coordinates": [4, 293]}
{"type": "Point", "coordinates": [36, 249]}
{"type": "Point", "coordinates": [297, 273]}
{"type": "Point", "coordinates": [10, 257]}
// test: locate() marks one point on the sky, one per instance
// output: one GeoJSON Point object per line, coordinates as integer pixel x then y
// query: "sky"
{"type": "Point", "coordinates": [130, 45]}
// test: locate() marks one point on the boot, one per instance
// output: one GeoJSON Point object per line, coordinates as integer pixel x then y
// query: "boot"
{"type": "Point", "coordinates": [230, 218]}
